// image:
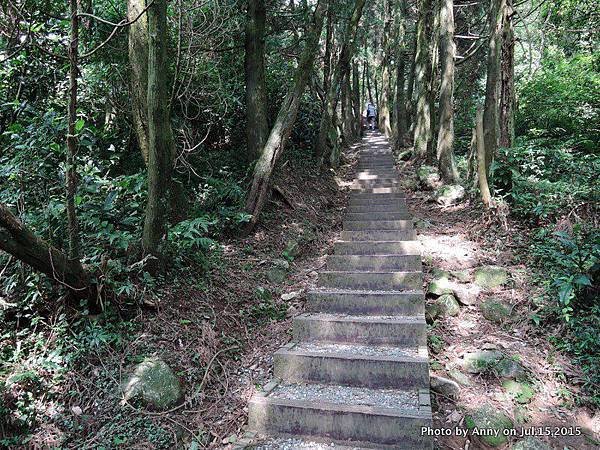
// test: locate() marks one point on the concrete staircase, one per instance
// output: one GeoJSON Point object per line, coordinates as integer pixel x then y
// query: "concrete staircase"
{"type": "Point", "coordinates": [356, 374]}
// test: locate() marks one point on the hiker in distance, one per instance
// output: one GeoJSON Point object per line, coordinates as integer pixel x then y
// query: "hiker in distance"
{"type": "Point", "coordinates": [371, 113]}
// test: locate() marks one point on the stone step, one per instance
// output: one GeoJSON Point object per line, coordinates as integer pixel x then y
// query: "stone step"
{"type": "Point", "coordinates": [375, 263]}
{"type": "Point", "coordinates": [389, 208]}
{"type": "Point", "coordinates": [378, 182]}
{"type": "Point", "coordinates": [296, 443]}
{"type": "Point", "coordinates": [377, 248]}
{"type": "Point", "coordinates": [380, 165]}
{"type": "Point", "coordinates": [377, 175]}
{"type": "Point", "coordinates": [379, 235]}
{"type": "Point", "coordinates": [376, 190]}
{"type": "Point", "coordinates": [404, 215]}
{"type": "Point", "coordinates": [377, 330]}
{"type": "Point", "coordinates": [383, 418]}
{"type": "Point", "coordinates": [380, 367]}
{"type": "Point", "coordinates": [377, 196]}
{"type": "Point", "coordinates": [373, 281]}
{"type": "Point", "coordinates": [353, 201]}
{"type": "Point", "coordinates": [401, 303]}
{"type": "Point", "coordinates": [361, 225]}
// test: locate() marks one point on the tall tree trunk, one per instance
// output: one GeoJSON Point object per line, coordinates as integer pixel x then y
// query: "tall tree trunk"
{"type": "Point", "coordinates": [435, 58]}
{"type": "Point", "coordinates": [285, 120]}
{"type": "Point", "coordinates": [340, 72]}
{"type": "Point", "coordinates": [445, 143]}
{"type": "Point", "coordinates": [386, 93]}
{"type": "Point", "coordinates": [368, 71]}
{"type": "Point", "coordinates": [72, 141]}
{"type": "Point", "coordinates": [507, 83]}
{"type": "Point", "coordinates": [327, 60]}
{"type": "Point", "coordinates": [490, 113]}
{"type": "Point", "coordinates": [423, 72]}
{"type": "Point", "coordinates": [356, 127]}
{"type": "Point", "coordinates": [410, 84]}
{"type": "Point", "coordinates": [138, 62]}
{"type": "Point", "coordinates": [257, 127]}
{"type": "Point", "coordinates": [482, 172]}
{"type": "Point", "coordinates": [401, 122]}
{"type": "Point", "coordinates": [160, 135]}
{"type": "Point", "coordinates": [347, 110]}
{"type": "Point", "coordinates": [18, 241]}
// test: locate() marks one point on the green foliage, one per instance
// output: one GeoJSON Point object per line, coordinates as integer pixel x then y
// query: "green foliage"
{"type": "Point", "coordinates": [563, 100]}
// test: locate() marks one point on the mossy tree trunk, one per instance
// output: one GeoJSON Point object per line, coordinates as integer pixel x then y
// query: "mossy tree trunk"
{"type": "Point", "coordinates": [423, 74]}
{"type": "Point", "coordinates": [20, 242]}
{"type": "Point", "coordinates": [138, 62]}
{"type": "Point", "coordinates": [356, 126]}
{"type": "Point", "coordinates": [507, 82]}
{"type": "Point", "coordinates": [400, 104]}
{"type": "Point", "coordinates": [445, 142]}
{"type": "Point", "coordinates": [385, 124]}
{"type": "Point", "coordinates": [160, 135]}
{"type": "Point", "coordinates": [257, 127]}
{"type": "Point", "coordinates": [285, 120]}
{"type": "Point", "coordinates": [72, 140]}
{"type": "Point", "coordinates": [490, 113]}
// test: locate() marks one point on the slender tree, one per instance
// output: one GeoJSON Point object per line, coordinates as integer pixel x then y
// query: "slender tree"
{"type": "Point", "coordinates": [482, 177]}
{"type": "Point", "coordinates": [339, 73]}
{"type": "Point", "coordinates": [356, 126]}
{"type": "Point", "coordinates": [423, 73]}
{"type": "Point", "coordinates": [490, 113]}
{"type": "Point", "coordinates": [386, 94]}
{"type": "Point", "coordinates": [160, 135]}
{"type": "Point", "coordinates": [257, 127]}
{"type": "Point", "coordinates": [401, 119]}
{"type": "Point", "coordinates": [507, 82]}
{"type": "Point", "coordinates": [285, 120]}
{"type": "Point", "coordinates": [445, 142]}
{"type": "Point", "coordinates": [138, 63]}
{"type": "Point", "coordinates": [72, 141]}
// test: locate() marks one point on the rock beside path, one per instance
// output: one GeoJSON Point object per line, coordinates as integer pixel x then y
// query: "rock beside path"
{"type": "Point", "coordinates": [490, 423]}
{"type": "Point", "coordinates": [154, 383]}
{"type": "Point", "coordinates": [490, 277]}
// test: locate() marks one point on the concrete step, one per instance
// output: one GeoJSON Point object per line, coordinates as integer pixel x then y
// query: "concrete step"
{"type": "Point", "coordinates": [389, 208]}
{"type": "Point", "coordinates": [377, 248]}
{"type": "Point", "coordinates": [404, 215]}
{"type": "Point", "coordinates": [377, 330]}
{"type": "Point", "coordinates": [376, 190]}
{"type": "Point", "coordinates": [377, 263]}
{"type": "Point", "coordinates": [379, 235]}
{"type": "Point", "coordinates": [361, 225]}
{"type": "Point", "coordinates": [378, 182]}
{"type": "Point", "coordinates": [376, 175]}
{"type": "Point", "coordinates": [384, 418]}
{"type": "Point", "coordinates": [372, 281]}
{"type": "Point", "coordinates": [297, 443]}
{"type": "Point", "coordinates": [377, 196]}
{"type": "Point", "coordinates": [354, 201]}
{"type": "Point", "coordinates": [393, 303]}
{"type": "Point", "coordinates": [380, 367]}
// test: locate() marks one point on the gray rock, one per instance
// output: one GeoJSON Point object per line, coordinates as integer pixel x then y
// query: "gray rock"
{"type": "Point", "coordinates": [481, 361]}
{"type": "Point", "coordinates": [466, 294]}
{"type": "Point", "coordinates": [531, 443]}
{"type": "Point", "coordinates": [291, 250]}
{"type": "Point", "coordinates": [460, 377]}
{"type": "Point", "coordinates": [490, 277]}
{"type": "Point", "coordinates": [449, 194]}
{"type": "Point", "coordinates": [521, 392]}
{"type": "Point", "coordinates": [276, 275]}
{"type": "Point", "coordinates": [428, 176]}
{"type": "Point", "coordinates": [487, 418]}
{"type": "Point", "coordinates": [448, 305]}
{"type": "Point", "coordinates": [154, 383]}
{"type": "Point", "coordinates": [509, 368]}
{"type": "Point", "coordinates": [281, 263]}
{"type": "Point", "coordinates": [439, 286]}
{"type": "Point", "coordinates": [495, 310]}
{"type": "Point", "coordinates": [444, 386]}
{"type": "Point", "coordinates": [432, 312]}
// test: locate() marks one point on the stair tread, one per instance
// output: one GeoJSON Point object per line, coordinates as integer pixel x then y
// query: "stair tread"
{"type": "Point", "coordinates": [295, 443]}
{"type": "Point", "coordinates": [326, 395]}
{"type": "Point", "coordinates": [334, 349]}
{"type": "Point", "coordinates": [382, 292]}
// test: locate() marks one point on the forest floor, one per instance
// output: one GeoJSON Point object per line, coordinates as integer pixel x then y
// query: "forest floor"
{"type": "Point", "coordinates": [217, 331]}
{"type": "Point", "coordinates": [461, 238]}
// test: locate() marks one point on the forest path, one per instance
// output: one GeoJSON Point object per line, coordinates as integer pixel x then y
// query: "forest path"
{"type": "Point", "coordinates": [356, 374]}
